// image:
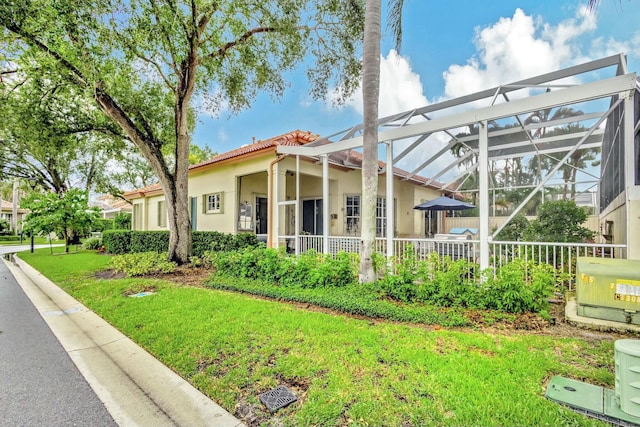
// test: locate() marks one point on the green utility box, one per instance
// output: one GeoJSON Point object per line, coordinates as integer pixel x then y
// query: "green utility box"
{"type": "Point", "coordinates": [608, 289]}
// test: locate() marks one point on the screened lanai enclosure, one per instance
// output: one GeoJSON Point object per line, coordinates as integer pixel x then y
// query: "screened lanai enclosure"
{"type": "Point", "coordinates": [559, 135]}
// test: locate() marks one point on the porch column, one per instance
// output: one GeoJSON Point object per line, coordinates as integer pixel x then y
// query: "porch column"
{"type": "Point", "coordinates": [325, 203]}
{"type": "Point", "coordinates": [631, 195]}
{"type": "Point", "coordinates": [390, 219]}
{"type": "Point", "coordinates": [274, 208]}
{"type": "Point", "coordinates": [483, 169]}
{"type": "Point", "coordinates": [280, 192]}
{"type": "Point", "coordinates": [297, 207]}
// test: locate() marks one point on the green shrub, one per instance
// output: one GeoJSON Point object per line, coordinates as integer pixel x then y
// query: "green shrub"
{"type": "Point", "coordinates": [139, 264]}
{"type": "Point", "coordinates": [244, 240]}
{"type": "Point", "coordinates": [11, 238]}
{"type": "Point", "coordinates": [309, 270]}
{"type": "Point", "coordinates": [102, 224]}
{"type": "Point", "coordinates": [514, 230]}
{"type": "Point", "coordinates": [117, 241]}
{"type": "Point", "coordinates": [357, 299]}
{"type": "Point", "coordinates": [149, 241]}
{"type": "Point", "coordinates": [122, 221]}
{"type": "Point", "coordinates": [126, 241]}
{"type": "Point", "coordinates": [519, 287]}
{"type": "Point", "coordinates": [516, 287]}
{"type": "Point", "coordinates": [94, 243]}
{"type": "Point", "coordinates": [4, 226]}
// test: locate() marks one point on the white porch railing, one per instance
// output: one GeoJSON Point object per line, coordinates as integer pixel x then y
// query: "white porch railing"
{"type": "Point", "coordinates": [561, 256]}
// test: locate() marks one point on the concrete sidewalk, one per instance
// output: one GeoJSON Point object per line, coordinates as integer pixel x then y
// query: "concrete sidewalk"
{"type": "Point", "coordinates": [134, 386]}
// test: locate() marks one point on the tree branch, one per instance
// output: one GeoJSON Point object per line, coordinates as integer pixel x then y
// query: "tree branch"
{"type": "Point", "coordinates": [222, 52]}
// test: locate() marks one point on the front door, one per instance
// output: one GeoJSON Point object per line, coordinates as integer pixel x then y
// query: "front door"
{"type": "Point", "coordinates": [261, 215]}
{"type": "Point", "coordinates": [312, 216]}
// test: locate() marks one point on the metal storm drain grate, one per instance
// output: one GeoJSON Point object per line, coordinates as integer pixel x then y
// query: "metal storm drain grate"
{"type": "Point", "coordinates": [277, 398]}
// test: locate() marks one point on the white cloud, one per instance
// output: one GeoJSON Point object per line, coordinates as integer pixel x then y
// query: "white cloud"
{"type": "Point", "coordinates": [400, 87]}
{"type": "Point", "coordinates": [518, 47]}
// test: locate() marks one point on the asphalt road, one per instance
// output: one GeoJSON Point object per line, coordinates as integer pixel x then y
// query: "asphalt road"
{"type": "Point", "coordinates": [39, 383]}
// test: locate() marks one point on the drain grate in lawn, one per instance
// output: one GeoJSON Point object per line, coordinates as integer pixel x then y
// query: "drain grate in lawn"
{"type": "Point", "coordinates": [277, 398]}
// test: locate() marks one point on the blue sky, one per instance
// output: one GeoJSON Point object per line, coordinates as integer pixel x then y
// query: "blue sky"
{"type": "Point", "coordinates": [450, 48]}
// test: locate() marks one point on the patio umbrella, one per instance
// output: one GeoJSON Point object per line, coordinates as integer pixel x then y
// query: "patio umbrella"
{"type": "Point", "coordinates": [444, 204]}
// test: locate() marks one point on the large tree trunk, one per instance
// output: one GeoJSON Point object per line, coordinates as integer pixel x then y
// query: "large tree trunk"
{"type": "Point", "coordinates": [178, 221]}
{"type": "Point", "coordinates": [370, 97]}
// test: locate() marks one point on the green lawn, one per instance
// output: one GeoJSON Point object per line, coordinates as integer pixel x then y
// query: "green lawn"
{"type": "Point", "coordinates": [346, 371]}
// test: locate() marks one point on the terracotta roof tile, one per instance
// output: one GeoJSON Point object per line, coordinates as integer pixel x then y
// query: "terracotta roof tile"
{"type": "Point", "coordinates": [294, 138]}
{"type": "Point", "coordinates": [142, 191]}
{"type": "Point", "coordinates": [297, 137]}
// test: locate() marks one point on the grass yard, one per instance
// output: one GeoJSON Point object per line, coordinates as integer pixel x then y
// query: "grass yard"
{"type": "Point", "coordinates": [346, 371]}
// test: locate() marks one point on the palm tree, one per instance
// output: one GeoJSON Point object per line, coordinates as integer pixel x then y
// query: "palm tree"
{"type": "Point", "coordinates": [578, 160]}
{"type": "Point", "coordinates": [370, 99]}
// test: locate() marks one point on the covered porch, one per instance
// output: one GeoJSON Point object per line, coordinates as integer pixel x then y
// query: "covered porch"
{"type": "Point", "coordinates": [545, 118]}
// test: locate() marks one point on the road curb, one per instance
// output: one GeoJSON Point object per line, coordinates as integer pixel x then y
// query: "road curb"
{"type": "Point", "coordinates": [136, 388]}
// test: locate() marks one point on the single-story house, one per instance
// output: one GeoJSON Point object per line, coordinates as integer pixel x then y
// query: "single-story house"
{"type": "Point", "coordinates": [6, 212]}
{"type": "Point", "coordinates": [236, 192]}
{"type": "Point", "coordinates": [110, 206]}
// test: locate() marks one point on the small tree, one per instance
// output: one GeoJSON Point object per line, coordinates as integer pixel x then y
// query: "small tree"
{"type": "Point", "coordinates": [4, 226]}
{"type": "Point", "coordinates": [559, 221]}
{"type": "Point", "coordinates": [122, 221]}
{"type": "Point", "coordinates": [515, 230]}
{"type": "Point", "coordinates": [65, 214]}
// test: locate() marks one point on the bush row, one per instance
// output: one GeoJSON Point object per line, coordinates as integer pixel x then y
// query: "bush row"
{"type": "Point", "coordinates": [515, 288]}
{"type": "Point", "coordinates": [353, 299]}
{"type": "Point", "coordinates": [10, 238]}
{"type": "Point", "coordinates": [139, 264]}
{"type": "Point", "coordinates": [128, 241]}
{"type": "Point", "coordinates": [308, 270]}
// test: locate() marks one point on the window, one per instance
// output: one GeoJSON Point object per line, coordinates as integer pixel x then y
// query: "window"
{"type": "Point", "coordinates": [352, 216]}
{"type": "Point", "coordinates": [162, 214]}
{"type": "Point", "coordinates": [212, 203]}
{"type": "Point", "coordinates": [381, 216]}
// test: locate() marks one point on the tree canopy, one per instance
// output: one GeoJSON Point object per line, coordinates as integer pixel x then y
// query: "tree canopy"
{"type": "Point", "coordinates": [143, 61]}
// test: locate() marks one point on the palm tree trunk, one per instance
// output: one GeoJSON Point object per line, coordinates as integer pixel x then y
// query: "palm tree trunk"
{"type": "Point", "coordinates": [370, 97]}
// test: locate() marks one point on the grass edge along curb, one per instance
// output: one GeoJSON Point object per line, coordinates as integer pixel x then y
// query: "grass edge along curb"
{"type": "Point", "coordinates": [347, 300]}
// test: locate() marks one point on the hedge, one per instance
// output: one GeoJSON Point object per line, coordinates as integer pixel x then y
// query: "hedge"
{"type": "Point", "coordinates": [103, 224]}
{"type": "Point", "coordinates": [127, 241]}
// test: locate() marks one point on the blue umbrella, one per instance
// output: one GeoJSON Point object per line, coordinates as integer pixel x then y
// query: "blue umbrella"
{"type": "Point", "coordinates": [444, 204]}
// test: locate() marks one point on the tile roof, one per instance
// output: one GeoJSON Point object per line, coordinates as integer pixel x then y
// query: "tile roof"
{"type": "Point", "coordinates": [295, 138]}
{"type": "Point", "coordinates": [353, 158]}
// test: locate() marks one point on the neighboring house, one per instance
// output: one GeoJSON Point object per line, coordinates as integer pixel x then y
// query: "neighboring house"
{"type": "Point", "coordinates": [235, 192]}
{"type": "Point", "coordinates": [6, 212]}
{"type": "Point", "coordinates": [110, 207]}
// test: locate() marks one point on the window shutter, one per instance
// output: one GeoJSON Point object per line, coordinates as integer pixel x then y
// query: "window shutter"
{"type": "Point", "coordinates": [221, 201]}
{"type": "Point", "coordinates": [204, 203]}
